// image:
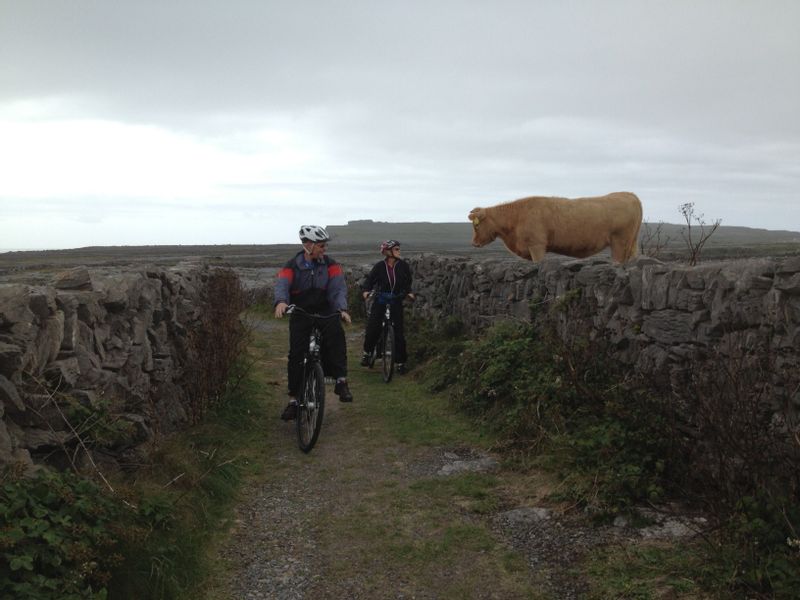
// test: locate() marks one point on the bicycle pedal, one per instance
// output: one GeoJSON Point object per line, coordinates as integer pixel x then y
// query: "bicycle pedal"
{"type": "Point", "coordinates": [330, 381]}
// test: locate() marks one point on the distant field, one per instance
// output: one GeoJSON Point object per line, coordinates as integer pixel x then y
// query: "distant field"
{"type": "Point", "coordinates": [458, 235]}
{"type": "Point", "coordinates": [357, 242]}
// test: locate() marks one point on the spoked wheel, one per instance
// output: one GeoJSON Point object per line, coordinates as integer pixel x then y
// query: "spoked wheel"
{"type": "Point", "coordinates": [388, 353]}
{"type": "Point", "coordinates": [311, 408]}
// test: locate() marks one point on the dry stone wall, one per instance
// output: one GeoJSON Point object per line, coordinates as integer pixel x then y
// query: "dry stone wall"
{"type": "Point", "coordinates": [116, 343]}
{"type": "Point", "coordinates": [658, 316]}
{"type": "Point", "coordinates": [98, 348]}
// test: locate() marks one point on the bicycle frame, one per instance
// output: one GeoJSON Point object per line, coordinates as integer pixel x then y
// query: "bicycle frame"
{"type": "Point", "coordinates": [312, 355]}
{"type": "Point", "coordinates": [385, 345]}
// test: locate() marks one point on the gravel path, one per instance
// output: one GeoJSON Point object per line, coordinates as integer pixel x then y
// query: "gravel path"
{"type": "Point", "coordinates": [274, 540]}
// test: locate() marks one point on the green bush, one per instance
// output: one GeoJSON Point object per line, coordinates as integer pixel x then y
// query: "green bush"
{"type": "Point", "coordinates": [64, 537]}
{"type": "Point", "coordinates": [563, 403]}
{"type": "Point", "coordinates": [764, 545]}
{"type": "Point", "coordinates": [60, 537]}
{"type": "Point", "coordinates": [606, 459]}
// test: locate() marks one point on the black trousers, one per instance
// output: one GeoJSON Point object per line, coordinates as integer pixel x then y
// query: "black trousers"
{"type": "Point", "coordinates": [374, 330]}
{"type": "Point", "coordinates": [334, 349]}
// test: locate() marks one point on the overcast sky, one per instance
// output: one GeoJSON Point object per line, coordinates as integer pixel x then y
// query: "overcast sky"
{"type": "Point", "coordinates": [200, 122]}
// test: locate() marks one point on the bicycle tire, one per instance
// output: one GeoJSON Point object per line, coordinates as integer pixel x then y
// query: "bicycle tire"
{"type": "Point", "coordinates": [311, 408]}
{"type": "Point", "coordinates": [388, 353]}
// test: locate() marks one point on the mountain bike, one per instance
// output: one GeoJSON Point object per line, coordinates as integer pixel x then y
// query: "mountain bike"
{"type": "Point", "coordinates": [311, 403]}
{"type": "Point", "coordinates": [385, 346]}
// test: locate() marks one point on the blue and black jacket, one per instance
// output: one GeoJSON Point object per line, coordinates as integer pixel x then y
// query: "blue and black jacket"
{"type": "Point", "coordinates": [316, 286]}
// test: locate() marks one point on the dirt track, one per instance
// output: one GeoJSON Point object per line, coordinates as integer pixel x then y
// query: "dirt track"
{"type": "Point", "coordinates": [373, 514]}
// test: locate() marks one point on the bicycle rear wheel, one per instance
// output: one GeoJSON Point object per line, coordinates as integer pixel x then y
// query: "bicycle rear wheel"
{"type": "Point", "coordinates": [388, 353]}
{"type": "Point", "coordinates": [311, 408]}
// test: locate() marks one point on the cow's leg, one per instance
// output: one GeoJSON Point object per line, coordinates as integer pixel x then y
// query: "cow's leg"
{"type": "Point", "coordinates": [620, 248]}
{"type": "Point", "coordinates": [537, 252]}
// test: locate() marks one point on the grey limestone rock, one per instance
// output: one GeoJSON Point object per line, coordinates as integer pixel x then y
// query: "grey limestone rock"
{"type": "Point", "coordinates": [9, 396]}
{"type": "Point", "coordinates": [108, 338]}
{"type": "Point", "coordinates": [77, 278]}
{"type": "Point", "coordinates": [521, 517]}
{"type": "Point", "coordinates": [10, 359]}
{"type": "Point", "coordinates": [477, 465]}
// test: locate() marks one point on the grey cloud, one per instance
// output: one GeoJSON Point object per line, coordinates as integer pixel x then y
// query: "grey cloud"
{"type": "Point", "coordinates": [517, 59]}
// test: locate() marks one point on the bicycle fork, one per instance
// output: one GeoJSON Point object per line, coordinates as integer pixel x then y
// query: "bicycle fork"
{"type": "Point", "coordinates": [311, 356]}
{"type": "Point", "coordinates": [387, 319]}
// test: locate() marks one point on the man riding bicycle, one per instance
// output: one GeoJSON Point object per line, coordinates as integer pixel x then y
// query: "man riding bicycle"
{"type": "Point", "coordinates": [314, 282]}
{"type": "Point", "coordinates": [392, 275]}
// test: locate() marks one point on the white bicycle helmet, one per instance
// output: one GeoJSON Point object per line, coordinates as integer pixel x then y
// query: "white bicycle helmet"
{"type": "Point", "coordinates": [313, 233]}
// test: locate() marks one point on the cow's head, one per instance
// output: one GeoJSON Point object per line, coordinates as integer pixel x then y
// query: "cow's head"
{"type": "Point", "coordinates": [482, 231]}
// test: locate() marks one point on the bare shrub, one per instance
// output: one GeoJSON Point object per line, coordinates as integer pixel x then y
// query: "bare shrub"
{"type": "Point", "coordinates": [217, 344]}
{"type": "Point", "coordinates": [653, 240]}
{"type": "Point", "coordinates": [694, 239]}
{"type": "Point", "coordinates": [742, 443]}
{"type": "Point", "coordinates": [744, 433]}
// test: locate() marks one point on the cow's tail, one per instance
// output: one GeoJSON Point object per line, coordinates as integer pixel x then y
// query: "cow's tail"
{"type": "Point", "coordinates": [633, 246]}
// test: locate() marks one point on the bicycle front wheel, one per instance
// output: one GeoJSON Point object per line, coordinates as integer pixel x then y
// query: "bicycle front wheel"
{"type": "Point", "coordinates": [388, 353]}
{"type": "Point", "coordinates": [311, 408]}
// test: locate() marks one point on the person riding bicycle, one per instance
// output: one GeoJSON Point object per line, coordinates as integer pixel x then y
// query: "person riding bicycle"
{"type": "Point", "coordinates": [392, 275]}
{"type": "Point", "coordinates": [314, 282]}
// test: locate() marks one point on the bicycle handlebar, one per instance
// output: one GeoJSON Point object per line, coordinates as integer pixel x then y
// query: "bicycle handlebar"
{"type": "Point", "coordinates": [291, 308]}
{"type": "Point", "coordinates": [386, 297]}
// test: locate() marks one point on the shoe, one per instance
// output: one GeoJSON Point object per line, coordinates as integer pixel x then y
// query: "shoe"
{"type": "Point", "coordinates": [365, 359]}
{"type": "Point", "coordinates": [290, 412]}
{"type": "Point", "coordinates": [401, 368]}
{"type": "Point", "coordinates": [341, 390]}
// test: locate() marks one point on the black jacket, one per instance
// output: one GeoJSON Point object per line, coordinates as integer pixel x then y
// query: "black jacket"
{"type": "Point", "coordinates": [378, 278]}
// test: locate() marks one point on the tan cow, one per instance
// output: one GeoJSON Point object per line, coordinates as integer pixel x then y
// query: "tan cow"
{"type": "Point", "coordinates": [581, 227]}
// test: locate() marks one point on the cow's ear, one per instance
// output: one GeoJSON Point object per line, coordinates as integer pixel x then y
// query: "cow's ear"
{"type": "Point", "coordinates": [475, 215]}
